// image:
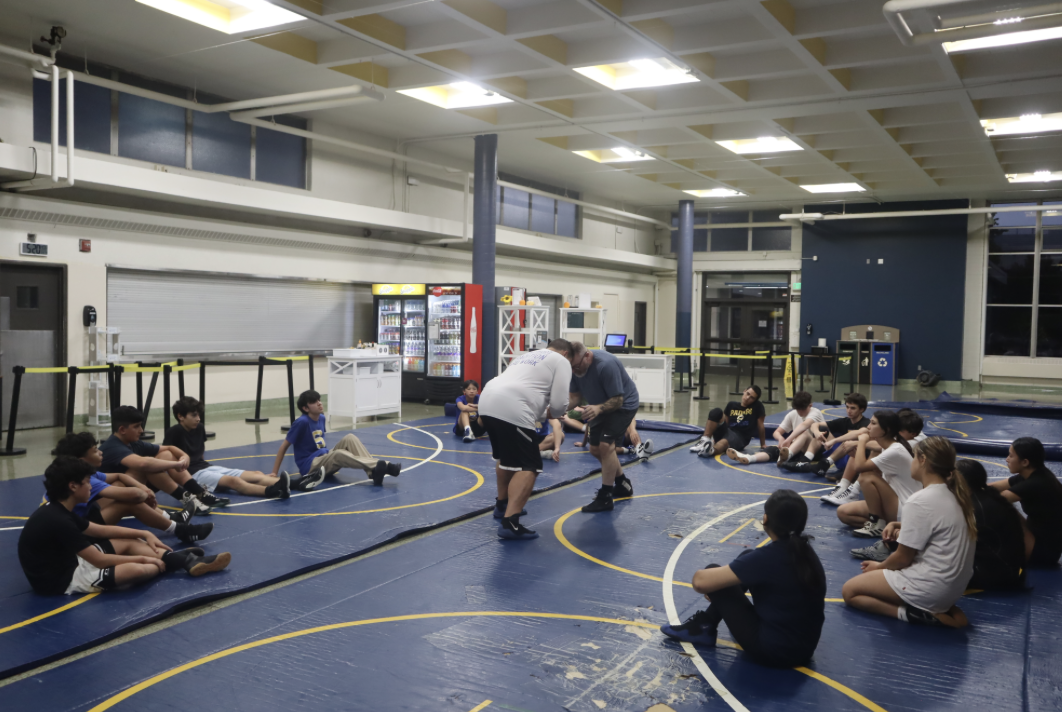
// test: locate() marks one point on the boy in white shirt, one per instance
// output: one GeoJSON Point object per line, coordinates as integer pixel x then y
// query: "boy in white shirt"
{"type": "Point", "coordinates": [793, 435]}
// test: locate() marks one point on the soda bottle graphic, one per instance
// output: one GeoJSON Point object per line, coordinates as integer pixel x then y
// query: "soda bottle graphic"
{"type": "Point", "coordinates": [472, 332]}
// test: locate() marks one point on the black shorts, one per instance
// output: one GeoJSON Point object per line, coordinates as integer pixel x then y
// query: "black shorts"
{"type": "Point", "coordinates": [94, 513]}
{"type": "Point", "coordinates": [514, 448]}
{"type": "Point", "coordinates": [477, 429]}
{"type": "Point", "coordinates": [609, 427]}
{"type": "Point", "coordinates": [734, 438]}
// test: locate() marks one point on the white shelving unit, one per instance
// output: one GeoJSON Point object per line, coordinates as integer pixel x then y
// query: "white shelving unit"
{"type": "Point", "coordinates": [104, 347]}
{"type": "Point", "coordinates": [593, 330]}
{"type": "Point", "coordinates": [652, 374]}
{"type": "Point", "coordinates": [364, 385]}
{"type": "Point", "coordinates": [515, 339]}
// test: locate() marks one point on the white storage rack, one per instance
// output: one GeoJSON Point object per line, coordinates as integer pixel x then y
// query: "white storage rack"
{"type": "Point", "coordinates": [652, 374]}
{"type": "Point", "coordinates": [104, 346]}
{"type": "Point", "coordinates": [363, 382]}
{"type": "Point", "coordinates": [535, 330]}
{"type": "Point", "coordinates": [593, 331]}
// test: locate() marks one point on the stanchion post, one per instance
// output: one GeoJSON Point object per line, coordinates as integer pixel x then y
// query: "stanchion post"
{"type": "Point", "coordinates": [166, 371]}
{"type": "Point", "coordinates": [118, 371]}
{"type": "Point", "coordinates": [291, 396]}
{"type": "Point", "coordinates": [770, 378]}
{"type": "Point", "coordinates": [738, 390]}
{"type": "Point", "coordinates": [71, 393]}
{"type": "Point", "coordinates": [150, 397]}
{"type": "Point", "coordinates": [794, 373]}
{"type": "Point", "coordinates": [258, 395]}
{"type": "Point", "coordinates": [110, 388]}
{"type": "Point", "coordinates": [180, 380]}
{"type": "Point", "coordinates": [12, 421]}
{"type": "Point", "coordinates": [822, 375]}
{"type": "Point", "coordinates": [703, 366]}
{"type": "Point", "coordinates": [140, 390]}
{"type": "Point", "coordinates": [202, 397]}
{"type": "Point", "coordinates": [309, 358]}
{"type": "Point", "coordinates": [833, 383]}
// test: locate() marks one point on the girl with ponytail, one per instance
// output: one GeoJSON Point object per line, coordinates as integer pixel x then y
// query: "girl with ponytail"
{"type": "Point", "coordinates": [781, 625]}
{"type": "Point", "coordinates": [1040, 494]}
{"type": "Point", "coordinates": [933, 562]}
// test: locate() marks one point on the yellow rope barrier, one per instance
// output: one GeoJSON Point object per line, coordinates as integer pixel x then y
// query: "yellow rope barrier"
{"type": "Point", "coordinates": [288, 358]}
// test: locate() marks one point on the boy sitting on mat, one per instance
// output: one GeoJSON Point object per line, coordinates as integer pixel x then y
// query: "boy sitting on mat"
{"type": "Point", "coordinates": [467, 425]}
{"type": "Point", "coordinates": [732, 427]}
{"type": "Point", "coordinates": [793, 435]}
{"type": "Point", "coordinates": [163, 467]}
{"type": "Point", "coordinates": [116, 496]}
{"type": "Point", "coordinates": [61, 552]}
{"type": "Point", "coordinates": [836, 439]}
{"type": "Point", "coordinates": [189, 436]}
{"type": "Point", "coordinates": [315, 460]}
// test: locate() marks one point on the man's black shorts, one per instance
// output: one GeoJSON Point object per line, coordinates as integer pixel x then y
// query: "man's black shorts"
{"type": "Point", "coordinates": [609, 427]}
{"type": "Point", "coordinates": [735, 438]}
{"type": "Point", "coordinates": [478, 430]}
{"type": "Point", "coordinates": [514, 448]}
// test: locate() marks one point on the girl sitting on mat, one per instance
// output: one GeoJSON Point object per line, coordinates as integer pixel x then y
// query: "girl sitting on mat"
{"type": "Point", "coordinates": [1040, 494]}
{"type": "Point", "coordinates": [921, 581]}
{"type": "Point", "coordinates": [1000, 558]}
{"type": "Point", "coordinates": [781, 625]}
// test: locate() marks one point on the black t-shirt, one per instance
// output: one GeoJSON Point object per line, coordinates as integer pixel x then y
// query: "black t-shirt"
{"type": "Point", "coordinates": [114, 451]}
{"type": "Point", "coordinates": [743, 419]}
{"type": "Point", "coordinates": [842, 426]}
{"type": "Point", "coordinates": [1000, 539]}
{"type": "Point", "coordinates": [192, 442]}
{"type": "Point", "coordinates": [791, 614]}
{"type": "Point", "coordinates": [1041, 500]}
{"type": "Point", "coordinates": [48, 546]}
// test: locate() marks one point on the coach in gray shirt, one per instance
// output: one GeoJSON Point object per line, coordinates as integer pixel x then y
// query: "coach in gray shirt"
{"type": "Point", "coordinates": [600, 379]}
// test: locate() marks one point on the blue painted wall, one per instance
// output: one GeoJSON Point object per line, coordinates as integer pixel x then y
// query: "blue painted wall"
{"type": "Point", "coordinates": [919, 289]}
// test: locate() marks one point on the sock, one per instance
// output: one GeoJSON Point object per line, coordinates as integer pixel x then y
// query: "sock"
{"type": "Point", "coordinates": [873, 518]}
{"type": "Point", "coordinates": [468, 431]}
{"type": "Point", "coordinates": [501, 503]}
{"type": "Point", "coordinates": [178, 494]}
{"type": "Point", "coordinates": [172, 528]}
{"type": "Point", "coordinates": [843, 486]}
{"type": "Point", "coordinates": [901, 613]}
{"type": "Point", "coordinates": [608, 489]}
{"type": "Point", "coordinates": [829, 461]}
{"type": "Point", "coordinates": [809, 456]}
{"type": "Point", "coordinates": [193, 487]}
{"type": "Point", "coordinates": [175, 560]}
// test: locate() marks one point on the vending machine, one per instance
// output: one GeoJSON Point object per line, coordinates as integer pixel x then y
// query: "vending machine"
{"type": "Point", "coordinates": [401, 325]}
{"type": "Point", "coordinates": [454, 341]}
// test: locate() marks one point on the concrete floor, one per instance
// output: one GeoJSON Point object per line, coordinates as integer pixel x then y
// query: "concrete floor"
{"type": "Point", "coordinates": [232, 430]}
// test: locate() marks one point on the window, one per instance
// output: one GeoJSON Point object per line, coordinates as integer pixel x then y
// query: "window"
{"type": "Point", "coordinates": [738, 239]}
{"type": "Point", "coordinates": [522, 210]}
{"type": "Point", "coordinates": [27, 298]}
{"type": "Point", "coordinates": [1023, 313]}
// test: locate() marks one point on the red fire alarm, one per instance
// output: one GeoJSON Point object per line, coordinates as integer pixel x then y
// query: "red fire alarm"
{"type": "Point", "coordinates": [85, 245]}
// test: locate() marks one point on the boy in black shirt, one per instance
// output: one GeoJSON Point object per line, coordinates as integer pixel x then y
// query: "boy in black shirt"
{"type": "Point", "coordinates": [732, 427]}
{"type": "Point", "coordinates": [836, 438]}
{"type": "Point", "coordinates": [57, 552]}
{"type": "Point", "coordinates": [189, 436]}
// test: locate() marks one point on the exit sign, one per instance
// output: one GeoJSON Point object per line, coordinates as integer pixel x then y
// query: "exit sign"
{"type": "Point", "coordinates": [33, 249]}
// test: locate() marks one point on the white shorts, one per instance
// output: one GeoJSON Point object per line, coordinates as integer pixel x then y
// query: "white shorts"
{"type": "Point", "coordinates": [89, 579]}
{"type": "Point", "coordinates": [210, 477]}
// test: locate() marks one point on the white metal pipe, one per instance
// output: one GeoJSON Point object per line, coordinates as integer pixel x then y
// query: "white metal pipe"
{"type": "Point", "coordinates": [991, 17]}
{"type": "Point", "coordinates": [55, 123]}
{"type": "Point", "coordinates": [894, 9]}
{"type": "Point", "coordinates": [919, 213]}
{"type": "Point", "coordinates": [28, 57]}
{"type": "Point", "coordinates": [591, 206]}
{"type": "Point", "coordinates": [69, 128]}
{"type": "Point", "coordinates": [287, 99]}
{"type": "Point", "coordinates": [307, 106]}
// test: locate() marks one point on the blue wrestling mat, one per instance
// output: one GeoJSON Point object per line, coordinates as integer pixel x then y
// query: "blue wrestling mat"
{"type": "Point", "coordinates": [459, 620]}
{"type": "Point", "coordinates": [443, 480]}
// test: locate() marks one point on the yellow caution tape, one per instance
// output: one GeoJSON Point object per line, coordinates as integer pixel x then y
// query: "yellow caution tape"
{"type": "Point", "coordinates": [289, 358]}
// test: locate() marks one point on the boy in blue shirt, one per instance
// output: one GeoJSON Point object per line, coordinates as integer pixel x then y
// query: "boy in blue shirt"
{"type": "Point", "coordinates": [467, 425]}
{"type": "Point", "coordinates": [313, 458]}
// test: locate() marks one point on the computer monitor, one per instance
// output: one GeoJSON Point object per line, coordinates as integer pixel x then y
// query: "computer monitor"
{"type": "Point", "coordinates": [615, 343]}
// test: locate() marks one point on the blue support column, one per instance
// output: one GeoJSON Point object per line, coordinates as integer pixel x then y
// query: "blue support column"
{"type": "Point", "coordinates": [684, 286]}
{"type": "Point", "coordinates": [484, 226]}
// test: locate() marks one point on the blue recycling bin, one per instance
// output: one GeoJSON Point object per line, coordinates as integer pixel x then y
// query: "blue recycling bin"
{"type": "Point", "coordinates": [883, 363]}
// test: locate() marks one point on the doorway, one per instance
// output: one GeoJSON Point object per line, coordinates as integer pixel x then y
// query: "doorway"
{"type": "Point", "coordinates": [33, 334]}
{"type": "Point", "coordinates": [741, 318]}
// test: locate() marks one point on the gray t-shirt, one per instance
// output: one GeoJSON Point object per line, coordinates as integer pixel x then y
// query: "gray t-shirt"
{"type": "Point", "coordinates": [532, 383]}
{"type": "Point", "coordinates": [606, 378]}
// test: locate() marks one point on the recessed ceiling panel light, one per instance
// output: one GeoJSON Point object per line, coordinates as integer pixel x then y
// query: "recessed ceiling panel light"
{"type": "Point", "coordinates": [228, 16]}
{"type": "Point", "coordinates": [834, 188]}
{"type": "Point", "coordinates": [619, 154]}
{"type": "Point", "coordinates": [1010, 38]}
{"type": "Point", "coordinates": [638, 74]}
{"type": "Point", "coordinates": [1024, 124]}
{"type": "Point", "coordinates": [1037, 177]}
{"type": "Point", "coordinates": [715, 193]}
{"type": "Point", "coordinates": [764, 144]}
{"type": "Point", "coordinates": [459, 95]}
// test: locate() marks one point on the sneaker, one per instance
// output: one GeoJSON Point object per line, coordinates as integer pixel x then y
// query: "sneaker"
{"type": "Point", "coordinates": [468, 436]}
{"type": "Point", "coordinates": [379, 472]}
{"type": "Point", "coordinates": [189, 533]}
{"type": "Point", "coordinates": [394, 469]}
{"type": "Point", "coordinates": [700, 444]}
{"type": "Point", "coordinates": [878, 551]}
{"type": "Point", "coordinates": [499, 508]}
{"type": "Point", "coordinates": [281, 489]}
{"type": "Point", "coordinates": [185, 514]}
{"type": "Point", "coordinates": [697, 629]}
{"type": "Point", "coordinates": [707, 451]}
{"type": "Point", "coordinates": [199, 565]}
{"type": "Point", "coordinates": [313, 479]}
{"type": "Point", "coordinates": [843, 496]}
{"type": "Point", "coordinates": [190, 500]}
{"type": "Point", "coordinates": [802, 465]}
{"type": "Point", "coordinates": [623, 487]}
{"type": "Point", "coordinates": [212, 500]}
{"type": "Point", "coordinates": [602, 502]}
{"type": "Point", "coordinates": [546, 454]}
{"type": "Point", "coordinates": [783, 456]}
{"type": "Point", "coordinates": [871, 530]}
{"type": "Point", "coordinates": [515, 530]}
{"type": "Point", "coordinates": [644, 450]}
{"type": "Point", "coordinates": [739, 457]}
{"type": "Point", "coordinates": [919, 616]}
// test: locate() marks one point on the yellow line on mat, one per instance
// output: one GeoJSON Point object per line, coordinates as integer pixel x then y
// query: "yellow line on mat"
{"type": "Point", "coordinates": [49, 614]}
{"type": "Point", "coordinates": [742, 526]}
{"type": "Point", "coordinates": [719, 459]}
{"type": "Point", "coordinates": [482, 705]}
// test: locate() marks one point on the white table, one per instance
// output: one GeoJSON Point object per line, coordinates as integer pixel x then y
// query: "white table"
{"type": "Point", "coordinates": [364, 385]}
{"type": "Point", "coordinates": [652, 374]}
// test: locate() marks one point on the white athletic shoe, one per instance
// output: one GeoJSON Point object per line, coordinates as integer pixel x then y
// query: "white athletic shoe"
{"type": "Point", "coordinates": [468, 436]}
{"type": "Point", "coordinates": [707, 451]}
{"type": "Point", "coordinates": [700, 444]}
{"type": "Point", "coordinates": [851, 494]}
{"type": "Point", "coordinates": [871, 530]}
{"type": "Point", "coordinates": [546, 454]}
{"type": "Point", "coordinates": [738, 456]}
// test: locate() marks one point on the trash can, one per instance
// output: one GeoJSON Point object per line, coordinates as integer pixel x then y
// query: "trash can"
{"type": "Point", "coordinates": [864, 375]}
{"type": "Point", "coordinates": [846, 352]}
{"type": "Point", "coordinates": [883, 363]}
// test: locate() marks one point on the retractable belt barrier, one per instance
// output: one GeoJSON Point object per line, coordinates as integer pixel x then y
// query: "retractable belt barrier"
{"type": "Point", "coordinates": [114, 382]}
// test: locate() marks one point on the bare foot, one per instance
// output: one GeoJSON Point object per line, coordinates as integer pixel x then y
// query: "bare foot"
{"type": "Point", "coordinates": [954, 618]}
{"type": "Point", "coordinates": [736, 456]}
{"type": "Point", "coordinates": [783, 456]}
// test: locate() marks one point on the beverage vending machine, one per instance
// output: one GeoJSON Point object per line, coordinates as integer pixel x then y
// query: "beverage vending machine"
{"type": "Point", "coordinates": [455, 342]}
{"type": "Point", "coordinates": [401, 325]}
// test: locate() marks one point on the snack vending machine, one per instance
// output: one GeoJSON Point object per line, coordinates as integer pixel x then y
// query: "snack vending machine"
{"type": "Point", "coordinates": [401, 325]}
{"type": "Point", "coordinates": [454, 338]}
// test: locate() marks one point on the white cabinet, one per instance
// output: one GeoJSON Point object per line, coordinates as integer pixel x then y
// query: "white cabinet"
{"type": "Point", "coordinates": [362, 386]}
{"type": "Point", "coordinates": [652, 374]}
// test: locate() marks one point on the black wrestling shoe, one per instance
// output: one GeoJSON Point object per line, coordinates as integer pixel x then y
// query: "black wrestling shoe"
{"type": "Point", "coordinates": [602, 502]}
{"type": "Point", "coordinates": [513, 529]}
{"type": "Point", "coordinates": [623, 487]}
{"type": "Point", "coordinates": [379, 472]}
{"type": "Point", "coordinates": [184, 515]}
{"type": "Point", "coordinates": [697, 630]}
{"type": "Point", "coordinates": [920, 616]}
{"type": "Point", "coordinates": [803, 465]}
{"type": "Point", "coordinates": [190, 533]}
{"type": "Point", "coordinates": [281, 489]}
{"type": "Point", "coordinates": [312, 479]}
{"type": "Point", "coordinates": [199, 565]}
{"type": "Point", "coordinates": [394, 469]}
{"type": "Point", "coordinates": [212, 500]}
{"type": "Point", "coordinates": [199, 508]}
{"type": "Point", "coordinates": [500, 506]}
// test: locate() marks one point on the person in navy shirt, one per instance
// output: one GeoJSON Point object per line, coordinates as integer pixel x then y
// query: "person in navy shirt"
{"type": "Point", "coordinates": [467, 425]}
{"type": "Point", "coordinates": [313, 458]}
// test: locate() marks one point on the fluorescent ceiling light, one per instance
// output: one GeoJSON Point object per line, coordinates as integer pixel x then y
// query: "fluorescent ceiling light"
{"type": "Point", "coordinates": [1024, 124]}
{"type": "Point", "coordinates": [715, 193]}
{"type": "Point", "coordinates": [638, 73]}
{"type": "Point", "coordinates": [1011, 38]}
{"type": "Point", "coordinates": [1037, 177]}
{"type": "Point", "coordinates": [834, 188]}
{"type": "Point", "coordinates": [619, 154]}
{"type": "Point", "coordinates": [459, 95]}
{"type": "Point", "coordinates": [228, 16]}
{"type": "Point", "coordinates": [763, 144]}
